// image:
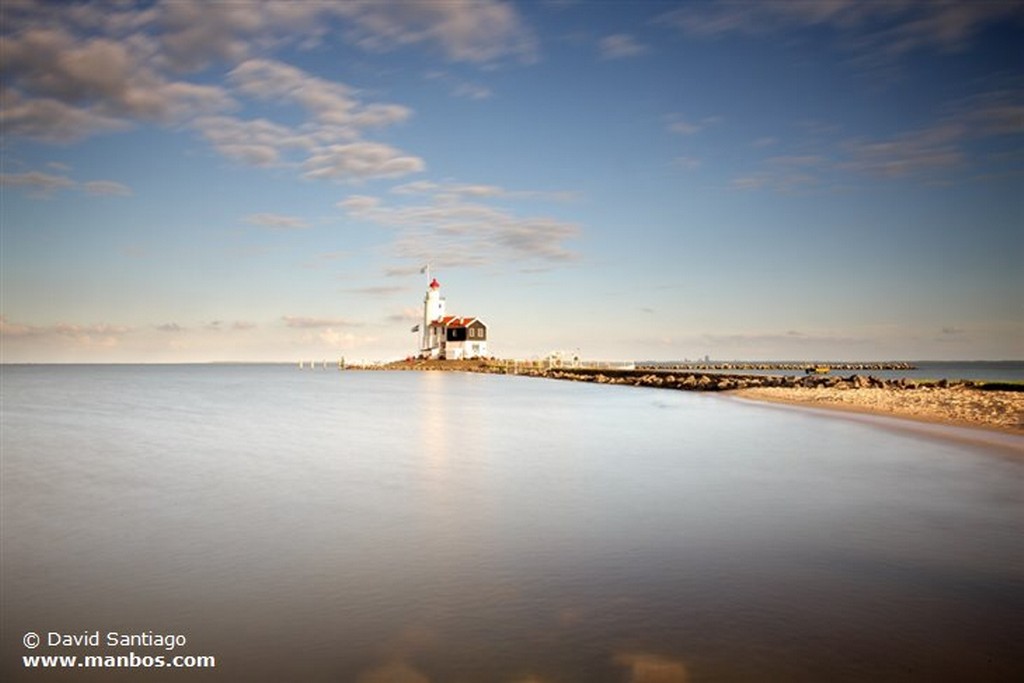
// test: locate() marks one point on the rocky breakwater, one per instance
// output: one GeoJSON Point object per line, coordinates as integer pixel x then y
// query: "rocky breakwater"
{"type": "Point", "coordinates": [842, 366]}
{"type": "Point", "coordinates": [717, 381]}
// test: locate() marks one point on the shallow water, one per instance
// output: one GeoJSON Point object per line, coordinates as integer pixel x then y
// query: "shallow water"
{"type": "Point", "coordinates": [339, 526]}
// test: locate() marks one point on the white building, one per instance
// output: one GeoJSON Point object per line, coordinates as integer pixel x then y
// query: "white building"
{"type": "Point", "coordinates": [448, 336]}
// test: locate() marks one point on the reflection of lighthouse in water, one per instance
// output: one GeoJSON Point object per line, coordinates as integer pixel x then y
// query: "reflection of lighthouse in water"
{"type": "Point", "coordinates": [433, 310]}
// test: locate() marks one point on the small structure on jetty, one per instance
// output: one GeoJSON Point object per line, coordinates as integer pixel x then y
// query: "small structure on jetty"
{"type": "Point", "coordinates": [449, 337]}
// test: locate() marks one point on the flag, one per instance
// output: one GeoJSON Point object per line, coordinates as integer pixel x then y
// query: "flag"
{"type": "Point", "coordinates": [424, 269]}
{"type": "Point", "coordinates": [415, 328]}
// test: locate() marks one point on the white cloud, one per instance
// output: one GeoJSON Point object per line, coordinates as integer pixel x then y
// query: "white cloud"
{"type": "Point", "coordinates": [358, 204]}
{"type": "Point", "coordinates": [257, 142]}
{"type": "Point", "coordinates": [476, 31]}
{"type": "Point", "coordinates": [330, 145]}
{"type": "Point", "coordinates": [328, 102]}
{"type": "Point", "coordinates": [360, 160]}
{"type": "Point", "coordinates": [79, 86]}
{"type": "Point", "coordinates": [192, 33]}
{"type": "Point", "coordinates": [49, 120]}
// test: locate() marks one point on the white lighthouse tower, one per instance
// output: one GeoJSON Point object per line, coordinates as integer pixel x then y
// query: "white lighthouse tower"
{"type": "Point", "coordinates": [433, 309]}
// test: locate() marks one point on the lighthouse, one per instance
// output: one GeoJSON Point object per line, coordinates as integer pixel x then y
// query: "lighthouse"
{"type": "Point", "coordinates": [449, 337]}
{"type": "Point", "coordinates": [433, 310]}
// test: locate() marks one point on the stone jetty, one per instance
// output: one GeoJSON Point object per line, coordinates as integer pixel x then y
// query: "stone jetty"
{"type": "Point", "coordinates": [841, 366]}
{"type": "Point", "coordinates": [719, 381]}
{"type": "Point", "coordinates": [684, 380]}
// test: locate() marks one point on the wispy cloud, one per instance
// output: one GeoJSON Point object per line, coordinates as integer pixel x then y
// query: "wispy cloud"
{"type": "Point", "coordinates": [406, 315]}
{"type": "Point", "coordinates": [37, 183]}
{"type": "Point", "coordinates": [451, 190]}
{"type": "Point", "coordinates": [96, 334]}
{"type": "Point", "coordinates": [475, 31]}
{"type": "Point", "coordinates": [328, 102]}
{"type": "Point", "coordinates": [676, 123]}
{"type": "Point", "coordinates": [621, 46]}
{"type": "Point", "coordinates": [63, 86]}
{"type": "Point", "coordinates": [276, 221]}
{"type": "Point", "coordinates": [73, 74]}
{"type": "Point", "coordinates": [360, 160]}
{"type": "Point", "coordinates": [686, 163]}
{"type": "Point", "coordinates": [458, 228]}
{"type": "Point", "coordinates": [757, 344]}
{"type": "Point", "coordinates": [785, 174]}
{"type": "Point", "coordinates": [380, 290]}
{"type": "Point", "coordinates": [303, 322]}
{"type": "Point", "coordinates": [330, 145]}
{"type": "Point", "coordinates": [107, 188]}
{"type": "Point", "coordinates": [929, 154]}
{"type": "Point", "coordinates": [459, 87]}
{"type": "Point", "coordinates": [44, 185]}
{"type": "Point", "coordinates": [871, 31]}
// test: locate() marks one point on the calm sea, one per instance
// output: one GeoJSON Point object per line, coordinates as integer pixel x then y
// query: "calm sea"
{"type": "Point", "coordinates": [445, 527]}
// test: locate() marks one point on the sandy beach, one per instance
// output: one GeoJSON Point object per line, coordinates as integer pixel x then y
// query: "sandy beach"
{"type": "Point", "coordinates": [960, 406]}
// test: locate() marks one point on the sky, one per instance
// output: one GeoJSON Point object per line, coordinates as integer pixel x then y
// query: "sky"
{"type": "Point", "coordinates": [189, 181]}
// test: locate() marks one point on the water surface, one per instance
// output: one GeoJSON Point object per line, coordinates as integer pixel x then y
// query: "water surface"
{"type": "Point", "coordinates": [340, 526]}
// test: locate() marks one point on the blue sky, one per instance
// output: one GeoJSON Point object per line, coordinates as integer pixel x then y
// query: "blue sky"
{"type": "Point", "coordinates": [189, 181]}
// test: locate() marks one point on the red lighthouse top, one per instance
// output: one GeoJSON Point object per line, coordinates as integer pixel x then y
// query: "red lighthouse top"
{"type": "Point", "coordinates": [434, 284]}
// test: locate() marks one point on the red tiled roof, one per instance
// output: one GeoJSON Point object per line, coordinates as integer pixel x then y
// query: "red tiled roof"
{"type": "Point", "coordinates": [454, 321]}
